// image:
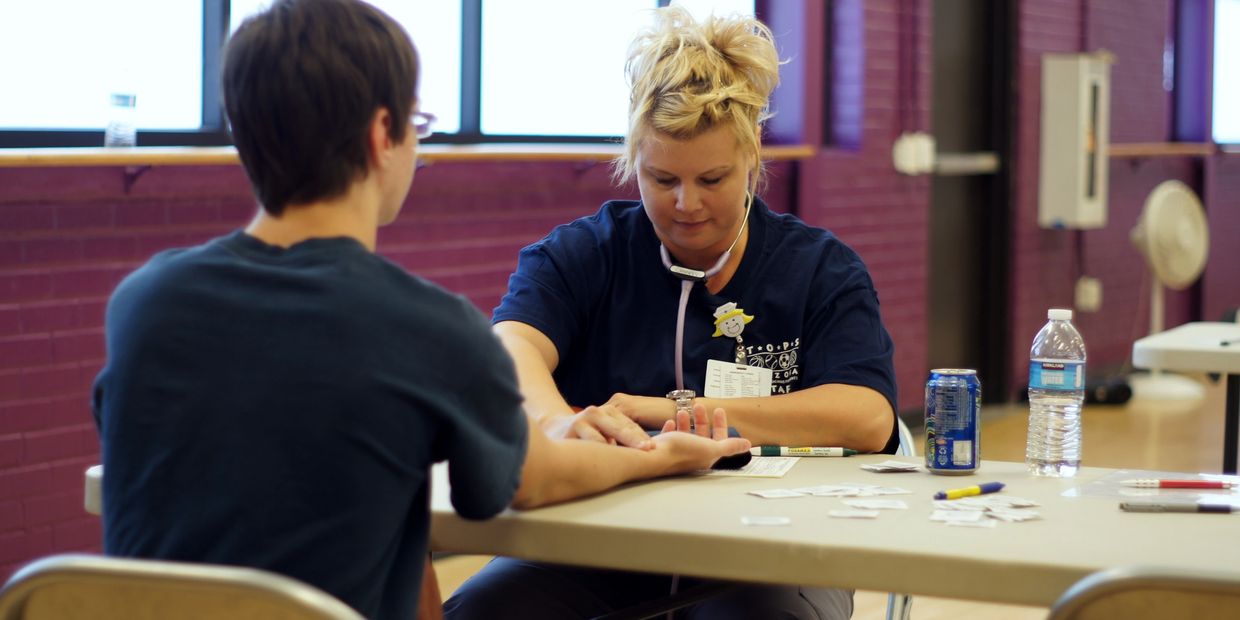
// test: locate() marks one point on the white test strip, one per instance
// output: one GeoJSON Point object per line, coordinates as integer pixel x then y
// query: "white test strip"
{"type": "Point", "coordinates": [853, 514]}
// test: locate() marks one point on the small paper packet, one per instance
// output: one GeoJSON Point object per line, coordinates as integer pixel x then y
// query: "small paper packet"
{"type": "Point", "coordinates": [892, 466]}
{"type": "Point", "coordinates": [853, 514]}
{"type": "Point", "coordinates": [877, 504]}
{"type": "Point", "coordinates": [765, 520]}
{"type": "Point", "coordinates": [982, 524]}
{"type": "Point", "coordinates": [954, 516]}
{"type": "Point", "coordinates": [776, 493]}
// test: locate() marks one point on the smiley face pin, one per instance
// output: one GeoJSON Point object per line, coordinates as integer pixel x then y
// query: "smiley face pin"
{"type": "Point", "coordinates": [730, 322]}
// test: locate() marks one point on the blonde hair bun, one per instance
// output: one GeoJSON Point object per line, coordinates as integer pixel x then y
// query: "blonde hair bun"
{"type": "Point", "coordinates": [687, 77]}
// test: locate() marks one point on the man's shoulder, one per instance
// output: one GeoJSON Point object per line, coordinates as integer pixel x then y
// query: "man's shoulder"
{"type": "Point", "coordinates": [168, 269]}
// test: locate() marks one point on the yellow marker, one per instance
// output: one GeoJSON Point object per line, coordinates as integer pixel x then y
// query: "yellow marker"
{"type": "Point", "coordinates": [988, 487]}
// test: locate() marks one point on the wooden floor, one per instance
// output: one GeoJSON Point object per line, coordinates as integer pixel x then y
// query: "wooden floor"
{"type": "Point", "coordinates": [1159, 435]}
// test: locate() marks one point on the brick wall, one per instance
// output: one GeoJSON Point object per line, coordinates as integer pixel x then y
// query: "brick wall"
{"type": "Point", "coordinates": [1044, 262]}
{"type": "Point", "coordinates": [68, 236]}
{"type": "Point", "coordinates": [853, 190]}
{"type": "Point", "coordinates": [1221, 281]}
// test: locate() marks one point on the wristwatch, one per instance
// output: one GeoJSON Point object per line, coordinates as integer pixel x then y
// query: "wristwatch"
{"type": "Point", "coordinates": [684, 400]}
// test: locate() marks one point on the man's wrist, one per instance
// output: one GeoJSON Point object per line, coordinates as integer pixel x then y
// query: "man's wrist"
{"type": "Point", "coordinates": [553, 422]}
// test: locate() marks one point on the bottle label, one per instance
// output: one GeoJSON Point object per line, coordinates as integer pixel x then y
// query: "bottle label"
{"type": "Point", "coordinates": [1067, 376]}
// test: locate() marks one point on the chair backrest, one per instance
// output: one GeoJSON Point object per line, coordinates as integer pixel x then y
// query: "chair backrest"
{"type": "Point", "coordinates": [72, 586]}
{"type": "Point", "coordinates": [907, 446]}
{"type": "Point", "coordinates": [1137, 592]}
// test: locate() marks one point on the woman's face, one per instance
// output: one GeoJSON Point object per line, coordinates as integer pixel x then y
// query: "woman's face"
{"type": "Point", "coordinates": [694, 192]}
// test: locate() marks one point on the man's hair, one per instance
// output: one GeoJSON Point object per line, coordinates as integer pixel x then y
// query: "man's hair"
{"type": "Point", "coordinates": [302, 82]}
{"type": "Point", "coordinates": [688, 77]}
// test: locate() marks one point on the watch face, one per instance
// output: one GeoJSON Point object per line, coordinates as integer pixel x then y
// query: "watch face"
{"type": "Point", "coordinates": [683, 398]}
{"type": "Point", "coordinates": [679, 395]}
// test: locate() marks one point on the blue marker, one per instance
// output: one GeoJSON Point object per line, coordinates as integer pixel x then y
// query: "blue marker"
{"type": "Point", "coordinates": [981, 489]}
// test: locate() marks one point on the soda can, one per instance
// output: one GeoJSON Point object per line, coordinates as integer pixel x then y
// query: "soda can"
{"type": "Point", "coordinates": [953, 421]}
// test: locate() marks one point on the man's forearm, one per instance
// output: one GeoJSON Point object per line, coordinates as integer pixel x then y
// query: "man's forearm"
{"type": "Point", "coordinates": [542, 397]}
{"type": "Point", "coordinates": [561, 469]}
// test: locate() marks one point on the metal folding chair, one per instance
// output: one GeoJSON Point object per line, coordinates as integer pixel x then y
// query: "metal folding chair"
{"type": "Point", "coordinates": [899, 606]}
{"type": "Point", "coordinates": [1139, 592]}
{"type": "Point", "coordinates": [79, 586]}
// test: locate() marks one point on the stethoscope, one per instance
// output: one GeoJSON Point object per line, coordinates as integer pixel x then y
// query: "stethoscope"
{"type": "Point", "coordinates": [687, 278]}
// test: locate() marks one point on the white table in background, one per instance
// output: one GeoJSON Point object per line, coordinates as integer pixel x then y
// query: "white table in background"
{"type": "Point", "coordinates": [1201, 347]}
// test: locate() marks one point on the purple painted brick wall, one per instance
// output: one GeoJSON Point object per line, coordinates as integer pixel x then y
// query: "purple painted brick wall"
{"type": "Point", "coordinates": [1043, 273]}
{"type": "Point", "coordinates": [853, 190]}
{"type": "Point", "coordinates": [67, 236]}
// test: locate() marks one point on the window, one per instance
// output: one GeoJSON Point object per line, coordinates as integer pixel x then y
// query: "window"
{"type": "Point", "coordinates": [50, 83]}
{"type": "Point", "coordinates": [568, 78]}
{"type": "Point", "coordinates": [1226, 125]}
{"type": "Point", "coordinates": [493, 70]}
{"type": "Point", "coordinates": [435, 28]}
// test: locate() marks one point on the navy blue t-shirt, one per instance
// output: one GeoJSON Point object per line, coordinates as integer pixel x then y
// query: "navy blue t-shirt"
{"type": "Point", "coordinates": [598, 289]}
{"type": "Point", "coordinates": [280, 408]}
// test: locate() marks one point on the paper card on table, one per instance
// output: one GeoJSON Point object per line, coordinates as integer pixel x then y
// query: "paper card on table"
{"type": "Point", "coordinates": [956, 515]}
{"type": "Point", "coordinates": [981, 524]}
{"type": "Point", "coordinates": [829, 490]}
{"type": "Point", "coordinates": [766, 520]}
{"type": "Point", "coordinates": [891, 466]}
{"type": "Point", "coordinates": [949, 505]}
{"type": "Point", "coordinates": [890, 491]}
{"type": "Point", "coordinates": [1011, 515]}
{"type": "Point", "coordinates": [776, 493]}
{"type": "Point", "coordinates": [853, 514]}
{"type": "Point", "coordinates": [1111, 485]}
{"type": "Point", "coordinates": [869, 492]}
{"type": "Point", "coordinates": [997, 501]}
{"type": "Point", "coordinates": [877, 504]}
{"type": "Point", "coordinates": [765, 467]}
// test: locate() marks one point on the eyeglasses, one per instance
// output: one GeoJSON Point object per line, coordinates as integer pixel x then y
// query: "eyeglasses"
{"type": "Point", "coordinates": [422, 122]}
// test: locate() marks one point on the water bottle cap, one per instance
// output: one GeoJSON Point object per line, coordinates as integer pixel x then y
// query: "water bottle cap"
{"type": "Point", "coordinates": [123, 100]}
{"type": "Point", "coordinates": [1059, 314]}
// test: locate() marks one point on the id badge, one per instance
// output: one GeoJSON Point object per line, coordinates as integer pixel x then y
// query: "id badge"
{"type": "Point", "coordinates": [730, 380]}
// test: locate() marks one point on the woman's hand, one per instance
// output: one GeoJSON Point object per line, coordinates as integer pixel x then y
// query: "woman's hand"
{"type": "Point", "coordinates": [648, 411]}
{"type": "Point", "coordinates": [604, 424]}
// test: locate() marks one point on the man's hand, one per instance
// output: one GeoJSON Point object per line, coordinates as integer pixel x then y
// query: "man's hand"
{"type": "Point", "coordinates": [604, 423]}
{"type": "Point", "coordinates": [700, 447]}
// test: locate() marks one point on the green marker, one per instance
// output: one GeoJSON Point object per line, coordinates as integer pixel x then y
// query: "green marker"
{"type": "Point", "coordinates": [800, 451]}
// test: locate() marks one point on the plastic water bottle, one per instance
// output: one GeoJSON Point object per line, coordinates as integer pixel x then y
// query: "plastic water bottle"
{"type": "Point", "coordinates": [1056, 391]}
{"type": "Point", "coordinates": [122, 129]}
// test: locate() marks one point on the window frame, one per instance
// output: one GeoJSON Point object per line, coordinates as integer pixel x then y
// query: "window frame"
{"type": "Point", "coordinates": [216, 20]}
{"type": "Point", "coordinates": [211, 133]}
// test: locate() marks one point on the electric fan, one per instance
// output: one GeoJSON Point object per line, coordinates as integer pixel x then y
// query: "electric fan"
{"type": "Point", "coordinates": [1171, 234]}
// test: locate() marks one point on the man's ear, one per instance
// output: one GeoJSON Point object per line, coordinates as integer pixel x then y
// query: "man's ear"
{"type": "Point", "coordinates": [379, 139]}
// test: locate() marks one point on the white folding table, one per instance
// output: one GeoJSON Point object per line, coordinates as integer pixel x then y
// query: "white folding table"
{"type": "Point", "coordinates": [1201, 347]}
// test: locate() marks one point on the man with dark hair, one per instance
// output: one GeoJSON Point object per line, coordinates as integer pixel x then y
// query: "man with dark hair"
{"type": "Point", "coordinates": [275, 397]}
{"type": "Point", "coordinates": [300, 86]}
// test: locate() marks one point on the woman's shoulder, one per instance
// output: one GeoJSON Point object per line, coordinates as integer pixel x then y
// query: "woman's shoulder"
{"type": "Point", "coordinates": [794, 241]}
{"type": "Point", "coordinates": [795, 232]}
{"type": "Point", "coordinates": [615, 224]}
